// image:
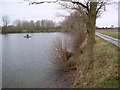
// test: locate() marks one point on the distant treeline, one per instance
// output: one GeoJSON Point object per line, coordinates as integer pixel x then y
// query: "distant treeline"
{"type": "Point", "coordinates": [107, 27]}
{"type": "Point", "coordinates": [23, 26]}
{"type": "Point", "coordinates": [71, 23]}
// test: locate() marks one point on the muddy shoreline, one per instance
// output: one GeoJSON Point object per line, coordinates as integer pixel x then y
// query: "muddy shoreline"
{"type": "Point", "coordinates": [66, 80]}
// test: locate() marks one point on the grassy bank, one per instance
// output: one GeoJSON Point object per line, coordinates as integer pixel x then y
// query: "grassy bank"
{"type": "Point", "coordinates": [26, 31]}
{"type": "Point", "coordinates": [112, 33]}
{"type": "Point", "coordinates": [115, 35]}
{"type": "Point", "coordinates": [105, 71]}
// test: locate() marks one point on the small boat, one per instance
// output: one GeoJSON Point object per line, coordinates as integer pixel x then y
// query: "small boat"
{"type": "Point", "coordinates": [27, 36]}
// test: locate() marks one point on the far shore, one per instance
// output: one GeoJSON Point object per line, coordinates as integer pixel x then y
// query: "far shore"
{"type": "Point", "coordinates": [35, 31]}
{"type": "Point", "coordinates": [51, 31]}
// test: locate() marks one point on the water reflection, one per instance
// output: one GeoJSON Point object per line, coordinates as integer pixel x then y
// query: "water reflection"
{"type": "Point", "coordinates": [26, 62]}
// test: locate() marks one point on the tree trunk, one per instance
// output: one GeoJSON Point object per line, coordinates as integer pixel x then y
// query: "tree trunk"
{"type": "Point", "coordinates": [91, 35]}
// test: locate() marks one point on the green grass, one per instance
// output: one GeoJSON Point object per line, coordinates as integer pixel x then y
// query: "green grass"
{"type": "Point", "coordinates": [117, 61]}
{"type": "Point", "coordinates": [115, 35]}
{"type": "Point", "coordinates": [110, 82]}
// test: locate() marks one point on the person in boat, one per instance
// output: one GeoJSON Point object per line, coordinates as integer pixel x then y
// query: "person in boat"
{"type": "Point", "coordinates": [27, 36]}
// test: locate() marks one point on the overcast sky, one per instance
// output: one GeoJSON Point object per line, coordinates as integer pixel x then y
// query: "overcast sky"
{"type": "Point", "coordinates": [24, 11]}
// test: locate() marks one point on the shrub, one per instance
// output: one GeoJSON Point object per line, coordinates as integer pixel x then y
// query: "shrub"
{"type": "Point", "coordinates": [66, 50]}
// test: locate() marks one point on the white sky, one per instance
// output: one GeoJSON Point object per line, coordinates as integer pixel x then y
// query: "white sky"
{"type": "Point", "coordinates": [24, 11]}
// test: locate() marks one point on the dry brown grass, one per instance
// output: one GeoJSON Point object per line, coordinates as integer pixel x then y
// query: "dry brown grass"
{"type": "Point", "coordinates": [105, 70]}
{"type": "Point", "coordinates": [107, 30]}
{"type": "Point", "coordinates": [61, 54]}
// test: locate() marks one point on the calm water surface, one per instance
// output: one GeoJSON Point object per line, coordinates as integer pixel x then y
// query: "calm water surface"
{"type": "Point", "coordinates": [26, 62]}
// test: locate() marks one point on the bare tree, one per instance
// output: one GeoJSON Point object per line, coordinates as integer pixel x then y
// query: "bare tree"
{"type": "Point", "coordinates": [17, 23]}
{"type": "Point", "coordinates": [73, 22]}
{"type": "Point", "coordinates": [50, 24]}
{"type": "Point", "coordinates": [25, 25]}
{"type": "Point", "coordinates": [90, 9]}
{"type": "Point", "coordinates": [5, 20]}
{"type": "Point", "coordinates": [37, 25]}
{"type": "Point", "coordinates": [31, 25]}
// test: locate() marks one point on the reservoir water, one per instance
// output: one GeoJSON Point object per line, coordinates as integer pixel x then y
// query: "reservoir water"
{"type": "Point", "coordinates": [26, 61]}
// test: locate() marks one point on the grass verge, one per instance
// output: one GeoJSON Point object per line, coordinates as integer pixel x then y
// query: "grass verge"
{"type": "Point", "coordinates": [105, 71]}
{"type": "Point", "coordinates": [115, 35]}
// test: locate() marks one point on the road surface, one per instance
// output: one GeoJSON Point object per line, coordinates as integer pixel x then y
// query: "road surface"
{"type": "Point", "coordinates": [112, 40]}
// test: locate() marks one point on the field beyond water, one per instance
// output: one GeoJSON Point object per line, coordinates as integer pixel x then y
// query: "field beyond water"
{"type": "Point", "coordinates": [110, 32]}
{"type": "Point", "coordinates": [105, 71]}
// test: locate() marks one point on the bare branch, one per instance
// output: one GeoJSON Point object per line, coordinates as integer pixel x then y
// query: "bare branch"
{"type": "Point", "coordinates": [41, 2]}
{"type": "Point", "coordinates": [101, 5]}
{"type": "Point", "coordinates": [87, 4]}
{"type": "Point", "coordinates": [78, 3]}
